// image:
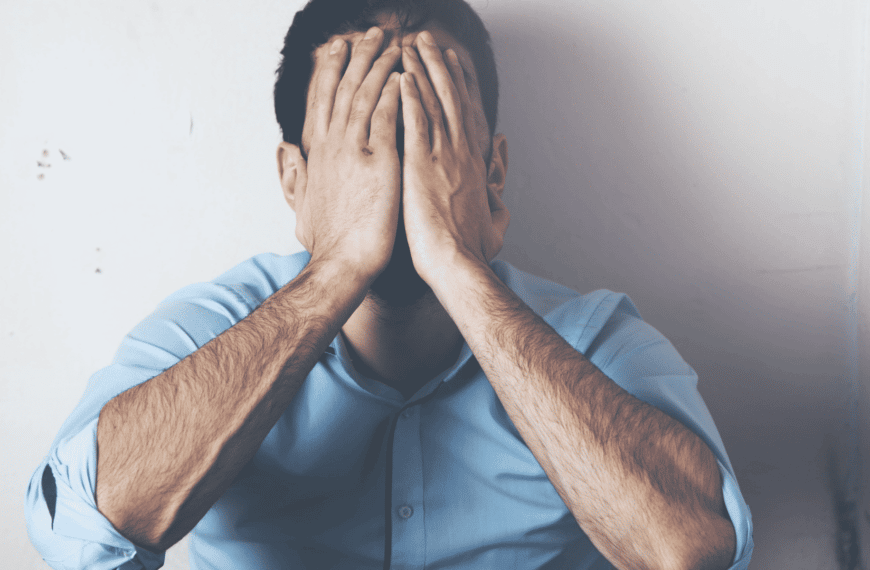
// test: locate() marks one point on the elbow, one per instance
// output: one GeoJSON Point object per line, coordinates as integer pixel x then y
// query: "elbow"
{"type": "Point", "coordinates": [714, 547]}
{"type": "Point", "coordinates": [144, 528]}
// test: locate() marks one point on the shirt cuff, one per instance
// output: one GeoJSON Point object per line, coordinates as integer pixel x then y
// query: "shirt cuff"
{"type": "Point", "coordinates": [79, 536]}
{"type": "Point", "coordinates": [741, 518]}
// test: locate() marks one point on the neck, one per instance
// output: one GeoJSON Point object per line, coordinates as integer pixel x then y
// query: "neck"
{"type": "Point", "coordinates": [403, 347]}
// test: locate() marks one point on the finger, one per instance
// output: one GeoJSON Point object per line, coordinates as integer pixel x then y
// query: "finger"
{"type": "Point", "coordinates": [325, 84]}
{"type": "Point", "coordinates": [414, 117]}
{"type": "Point", "coordinates": [369, 93]}
{"type": "Point", "coordinates": [361, 59]}
{"type": "Point", "coordinates": [442, 84]}
{"type": "Point", "coordinates": [412, 64]}
{"type": "Point", "coordinates": [468, 120]}
{"type": "Point", "coordinates": [385, 115]}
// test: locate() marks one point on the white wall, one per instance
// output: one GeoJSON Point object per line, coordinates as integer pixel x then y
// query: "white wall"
{"type": "Point", "coordinates": [704, 157]}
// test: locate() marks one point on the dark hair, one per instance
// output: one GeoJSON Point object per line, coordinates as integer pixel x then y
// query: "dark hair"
{"type": "Point", "coordinates": [321, 19]}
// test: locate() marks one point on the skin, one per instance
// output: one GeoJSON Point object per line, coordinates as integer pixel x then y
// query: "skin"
{"type": "Point", "coordinates": [647, 498]}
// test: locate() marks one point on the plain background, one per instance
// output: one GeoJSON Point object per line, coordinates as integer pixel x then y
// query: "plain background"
{"type": "Point", "coordinates": [707, 158]}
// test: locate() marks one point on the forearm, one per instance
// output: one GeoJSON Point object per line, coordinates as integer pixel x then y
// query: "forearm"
{"type": "Point", "coordinates": [169, 447]}
{"type": "Point", "coordinates": [644, 488]}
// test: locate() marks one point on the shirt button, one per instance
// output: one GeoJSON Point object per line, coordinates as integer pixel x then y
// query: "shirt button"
{"type": "Point", "coordinates": [405, 511]}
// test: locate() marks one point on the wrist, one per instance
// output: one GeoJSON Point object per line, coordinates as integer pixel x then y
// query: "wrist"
{"type": "Point", "coordinates": [335, 283]}
{"type": "Point", "coordinates": [456, 267]}
{"type": "Point", "coordinates": [334, 269]}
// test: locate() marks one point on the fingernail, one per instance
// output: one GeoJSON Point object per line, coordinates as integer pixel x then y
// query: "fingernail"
{"type": "Point", "coordinates": [372, 33]}
{"type": "Point", "coordinates": [336, 45]}
{"type": "Point", "coordinates": [390, 51]}
{"type": "Point", "coordinates": [427, 38]}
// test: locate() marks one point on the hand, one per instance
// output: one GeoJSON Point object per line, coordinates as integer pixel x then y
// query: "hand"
{"type": "Point", "coordinates": [347, 196]}
{"type": "Point", "coordinates": [449, 208]}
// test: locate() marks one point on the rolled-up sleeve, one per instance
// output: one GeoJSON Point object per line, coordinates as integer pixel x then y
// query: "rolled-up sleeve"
{"type": "Point", "coordinates": [62, 516]}
{"type": "Point", "coordinates": [63, 521]}
{"type": "Point", "coordinates": [644, 363]}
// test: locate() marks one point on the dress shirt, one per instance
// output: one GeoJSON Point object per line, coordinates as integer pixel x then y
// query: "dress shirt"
{"type": "Point", "coordinates": [353, 473]}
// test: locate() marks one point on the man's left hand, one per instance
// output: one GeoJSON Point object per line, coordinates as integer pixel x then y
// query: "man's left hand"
{"type": "Point", "coordinates": [450, 213]}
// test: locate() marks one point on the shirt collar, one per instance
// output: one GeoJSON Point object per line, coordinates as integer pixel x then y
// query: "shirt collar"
{"type": "Point", "coordinates": [338, 350]}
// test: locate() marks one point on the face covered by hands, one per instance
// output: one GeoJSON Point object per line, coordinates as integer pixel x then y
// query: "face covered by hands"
{"type": "Point", "coordinates": [398, 214]}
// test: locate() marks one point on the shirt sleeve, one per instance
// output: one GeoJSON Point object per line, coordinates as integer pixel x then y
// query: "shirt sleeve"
{"type": "Point", "coordinates": [62, 517]}
{"type": "Point", "coordinates": [643, 362]}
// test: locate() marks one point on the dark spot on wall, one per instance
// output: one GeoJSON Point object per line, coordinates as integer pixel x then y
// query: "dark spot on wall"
{"type": "Point", "coordinates": [40, 177]}
{"type": "Point", "coordinates": [98, 270]}
{"type": "Point", "coordinates": [64, 155]}
{"type": "Point", "coordinates": [45, 152]}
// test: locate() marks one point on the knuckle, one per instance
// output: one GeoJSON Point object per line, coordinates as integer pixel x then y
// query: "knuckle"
{"type": "Point", "coordinates": [343, 89]}
{"type": "Point", "coordinates": [420, 124]}
{"type": "Point", "coordinates": [358, 113]}
{"type": "Point", "coordinates": [380, 115]}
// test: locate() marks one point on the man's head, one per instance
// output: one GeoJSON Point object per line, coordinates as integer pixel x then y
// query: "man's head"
{"type": "Point", "coordinates": [453, 24]}
{"type": "Point", "coordinates": [320, 20]}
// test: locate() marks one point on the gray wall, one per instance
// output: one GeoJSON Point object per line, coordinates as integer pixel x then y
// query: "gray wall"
{"type": "Point", "coordinates": [707, 158]}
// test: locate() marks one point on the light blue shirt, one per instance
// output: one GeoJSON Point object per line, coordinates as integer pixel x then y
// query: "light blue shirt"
{"type": "Point", "coordinates": [352, 470]}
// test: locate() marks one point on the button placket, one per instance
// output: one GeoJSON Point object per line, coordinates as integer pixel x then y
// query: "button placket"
{"type": "Point", "coordinates": [408, 540]}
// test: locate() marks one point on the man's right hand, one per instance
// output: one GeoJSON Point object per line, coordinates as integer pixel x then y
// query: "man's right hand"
{"type": "Point", "coordinates": [198, 423]}
{"type": "Point", "coordinates": [347, 195]}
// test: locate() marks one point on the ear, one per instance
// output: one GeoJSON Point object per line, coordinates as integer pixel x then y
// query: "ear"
{"type": "Point", "coordinates": [498, 164]}
{"type": "Point", "coordinates": [292, 169]}
{"type": "Point", "coordinates": [495, 180]}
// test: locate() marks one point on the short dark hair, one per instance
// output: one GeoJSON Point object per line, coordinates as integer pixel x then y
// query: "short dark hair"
{"type": "Point", "coordinates": [321, 19]}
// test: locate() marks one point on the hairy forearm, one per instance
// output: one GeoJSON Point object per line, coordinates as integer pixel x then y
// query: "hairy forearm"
{"type": "Point", "coordinates": [644, 488]}
{"type": "Point", "coordinates": [169, 447]}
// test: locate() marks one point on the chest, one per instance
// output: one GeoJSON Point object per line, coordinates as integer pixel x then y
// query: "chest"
{"type": "Point", "coordinates": [345, 476]}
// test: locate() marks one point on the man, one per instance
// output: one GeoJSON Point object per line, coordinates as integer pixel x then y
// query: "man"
{"type": "Point", "coordinates": [391, 398]}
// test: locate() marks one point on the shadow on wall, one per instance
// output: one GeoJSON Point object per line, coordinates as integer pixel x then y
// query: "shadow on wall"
{"type": "Point", "coordinates": [614, 184]}
{"type": "Point", "coordinates": [619, 180]}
